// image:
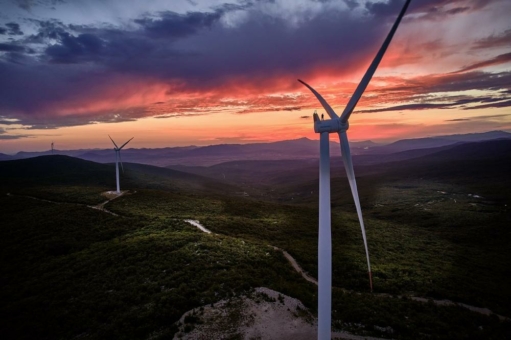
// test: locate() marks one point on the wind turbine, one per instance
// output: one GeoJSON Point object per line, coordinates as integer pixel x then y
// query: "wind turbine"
{"type": "Point", "coordinates": [52, 147]}
{"type": "Point", "coordinates": [338, 125]}
{"type": "Point", "coordinates": [117, 160]}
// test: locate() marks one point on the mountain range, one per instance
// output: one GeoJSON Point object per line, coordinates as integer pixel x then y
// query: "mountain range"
{"type": "Point", "coordinates": [297, 149]}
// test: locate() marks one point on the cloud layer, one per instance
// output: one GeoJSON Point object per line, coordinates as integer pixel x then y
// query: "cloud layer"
{"type": "Point", "coordinates": [244, 57]}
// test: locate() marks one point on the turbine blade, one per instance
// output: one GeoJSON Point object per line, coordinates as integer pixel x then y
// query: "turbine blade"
{"type": "Point", "coordinates": [348, 165]}
{"type": "Point", "coordinates": [372, 68]}
{"type": "Point", "coordinates": [126, 143]}
{"type": "Point", "coordinates": [323, 102]}
{"type": "Point", "coordinates": [120, 160]}
{"type": "Point", "coordinates": [113, 141]}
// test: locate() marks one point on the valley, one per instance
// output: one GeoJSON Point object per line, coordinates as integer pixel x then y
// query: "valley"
{"type": "Point", "coordinates": [437, 228]}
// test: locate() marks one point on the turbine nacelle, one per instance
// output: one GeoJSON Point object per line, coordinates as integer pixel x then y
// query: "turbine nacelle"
{"type": "Point", "coordinates": [330, 125]}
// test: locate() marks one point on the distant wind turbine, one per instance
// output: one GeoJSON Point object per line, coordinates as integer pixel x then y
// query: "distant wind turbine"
{"type": "Point", "coordinates": [117, 160]}
{"type": "Point", "coordinates": [338, 125]}
{"type": "Point", "coordinates": [52, 147]}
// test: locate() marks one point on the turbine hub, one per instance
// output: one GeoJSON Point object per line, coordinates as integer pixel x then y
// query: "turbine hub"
{"type": "Point", "coordinates": [330, 126]}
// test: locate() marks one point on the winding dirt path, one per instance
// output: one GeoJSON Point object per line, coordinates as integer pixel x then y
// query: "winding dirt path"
{"type": "Point", "coordinates": [111, 195]}
{"type": "Point", "coordinates": [100, 206]}
{"type": "Point", "coordinates": [41, 199]}
{"type": "Point", "coordinates": [197, 224]}
{"type": "Point", "coordinates": [296, 266]}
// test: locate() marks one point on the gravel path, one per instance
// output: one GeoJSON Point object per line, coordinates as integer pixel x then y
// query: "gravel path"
{"type": "Point", "coordinates": [197, 224]}
{"type": "Point", "coordinates": [296, 266]}
{"type": "Point", "coordinates": [111, 195]}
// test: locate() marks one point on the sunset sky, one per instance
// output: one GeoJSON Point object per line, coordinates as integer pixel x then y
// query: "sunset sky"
{"type": "Point", "coordinates": [199, 72]}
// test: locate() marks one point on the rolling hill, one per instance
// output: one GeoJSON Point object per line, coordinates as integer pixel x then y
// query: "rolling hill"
{"type": "Point", "coordinates": [435, 223]}
{"type": "Point", "coordinates": [438, 141]}
{"type": "Point", "coordinates": [72, 172]}
{"type": "Point", "coordinates": [297, 149]}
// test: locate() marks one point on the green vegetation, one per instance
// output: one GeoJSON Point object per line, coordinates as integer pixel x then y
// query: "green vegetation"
{"type": "Point", "coordinates": [70, 271]}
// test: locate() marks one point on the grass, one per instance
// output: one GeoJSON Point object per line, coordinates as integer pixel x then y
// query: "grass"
{"type": "Point", "coordinates": [428, 252]}
{"type": "Point", "coordinates": [71, 271]}
{"type": "Point", "coordinates": [78, 271]}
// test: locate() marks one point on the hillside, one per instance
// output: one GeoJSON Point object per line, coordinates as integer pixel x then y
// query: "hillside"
{"type": "Point", "coordinates": [453, 162]}
{"type": "Point", "coordinates": [70, 172]}
{"type": "Point", "coordinates": [438, 141]}
{"type": "Point", "coordinates": [297, 149]}
{"type": "Point", "coordinates": [437, 226]}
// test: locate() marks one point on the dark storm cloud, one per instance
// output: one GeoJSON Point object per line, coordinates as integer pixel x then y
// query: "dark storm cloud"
{"type": "Point", "coordinates": [51, 31]}
{"type": "Point", "coordinates": [195, 51]}
{"type": "Point", "coordinates": [28, 85]}
{"type": "Point", "coordinates": [175, 25]}
{"type": "Point", "coordinates": [414, 107]}
{"type": "Point", "coordinates": [457, 10]}
{"type": "Point", "coordinates": [10, 137]}
{"type": "Point", "coordinates": [352, 4]}
{"type": "Point", "coordinates": [470, 81]}
{"type": "Point", "coordinates": [497, 82]}
{"type": "Point", "coordinates": [500, 59]}
{"type": "Point", "coordinates": [479, 118]}
{"type": "Point", "coordinates": [7, 122]}
{"type": "Point", "coordinates": [32, 83]}
{"type": "Point", "coordinates": [270, 108]}
{"type": "Point", "coordinates": [440, 9]}
{"type": "Point", "coordinates": [43, 123]}
{"type": "Point", "coordinates": [13, 28]}
{"type": "Point", "coordinates": [5, 136]}
{"type": "Point", "coordinates": [452, 82]}
{"type": "Point", "coordinates": [506, 103]}
{"type": "Point", "coordinates": [462, 103]}
{"type": "Point", "coordinates": [28, 4]}
{"type": "Point", "coordinates": [207, 49]}
{"type": "Point", "coordinates": [385, 8]}
{"type": "Point", "coordinates": [496, 40]}
{"type": "Point", "coordinates": [25, 4]}
{"type": "Point", "coordinates": [11, 48]}
{"type": "Point", "coordinates": [84, 47]}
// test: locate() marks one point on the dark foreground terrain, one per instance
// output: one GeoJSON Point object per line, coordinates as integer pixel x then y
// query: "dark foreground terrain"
{"type": "Point", "coordinates": [437, 226]}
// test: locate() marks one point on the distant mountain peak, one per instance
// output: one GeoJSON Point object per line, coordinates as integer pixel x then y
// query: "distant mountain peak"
{"type": "Point", "coordinates": [477, 136]}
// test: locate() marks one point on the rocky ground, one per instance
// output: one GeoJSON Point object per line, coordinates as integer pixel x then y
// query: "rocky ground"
{"type": "Point", "coordinates": [263, 314]}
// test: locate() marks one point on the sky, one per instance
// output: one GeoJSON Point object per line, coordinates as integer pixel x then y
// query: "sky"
{"type": "Point", "coordinates": [200, 72]}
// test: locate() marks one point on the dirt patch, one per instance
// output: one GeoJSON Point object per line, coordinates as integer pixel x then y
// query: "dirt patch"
{"type": "Point", "coordinates": [263, 314]}
{"type": "Point", "coordinates": [110, 195]}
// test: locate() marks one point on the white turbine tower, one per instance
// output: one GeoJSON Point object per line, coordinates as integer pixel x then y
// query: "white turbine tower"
{"type": "Point", "coordinates": [117, 160]}
{"type": "Point", "coordinates": [338, 125]}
